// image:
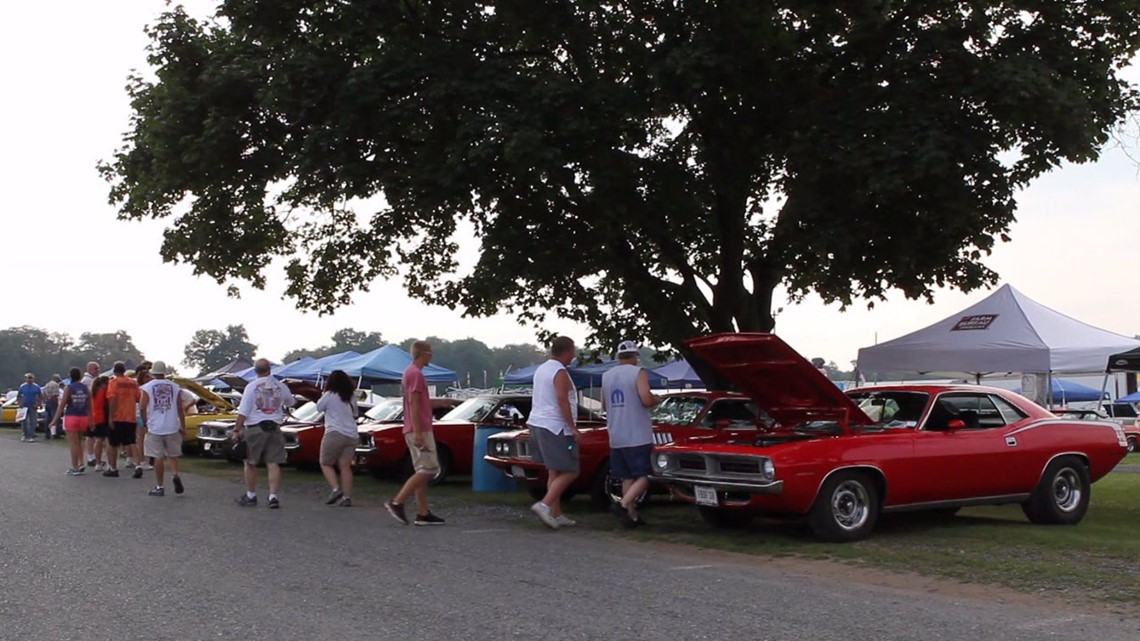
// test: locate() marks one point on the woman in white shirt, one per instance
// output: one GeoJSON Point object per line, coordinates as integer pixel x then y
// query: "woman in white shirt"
{"type": "Point", "coordinates": [339, 443]}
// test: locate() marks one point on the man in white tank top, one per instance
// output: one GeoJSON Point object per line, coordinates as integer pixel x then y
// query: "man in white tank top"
{"type": "Point", "coordinates": [553, 430]}
{"type": "Point", "coordinates": [627, 399]}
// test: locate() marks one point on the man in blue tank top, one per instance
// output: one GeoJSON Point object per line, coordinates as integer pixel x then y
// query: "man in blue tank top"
{"type": "Point", "coordinates": [627, 399]}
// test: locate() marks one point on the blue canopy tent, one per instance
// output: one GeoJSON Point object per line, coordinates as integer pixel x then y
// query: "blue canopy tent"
{"type": "Point", "coordinates": [289, 370]}
{"type": "Point", "coordinates": [1134, 397]}
{"type": "Point", "coordinates": [387, 364]}
{"type": "Point", "coordinates": [1066, 391]}
{"type": "Point", "coordinates": [582, 375]}
{"type": "Point", "coordinates": [310, 370]}
{"type": "Point", "coordinates": [679, 374]}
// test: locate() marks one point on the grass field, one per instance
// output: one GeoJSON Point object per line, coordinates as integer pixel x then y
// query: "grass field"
{"type": "Point", "coordinates": [1097, 560]}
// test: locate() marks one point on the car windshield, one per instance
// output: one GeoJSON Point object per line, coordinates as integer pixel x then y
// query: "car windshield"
{"type": "Point", "coordinates": [679, 410]}
{"type": "Point", "coordinates": [307, 413]}
{"type": "Point", "coordinates": [388, 410]}
{"type": "Point", "coordinates": [473, 410]}
{"type": "Point", "coordinates": [891, 408]}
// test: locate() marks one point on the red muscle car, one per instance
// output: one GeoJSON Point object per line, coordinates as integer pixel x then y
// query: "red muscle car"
{"type": "Point", "coordinates": [382, 417]}
{"type": "Point", "coordinates": [678, 417]}
{"type": "Point", "coordinates": [384, 452]}
{"type": "Point", "coordinates": [841, 460]}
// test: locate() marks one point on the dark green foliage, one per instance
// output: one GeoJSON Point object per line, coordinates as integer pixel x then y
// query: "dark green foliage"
{"type": "Point", "coordinates": [654, 168]}
{"type": "Point", "coordinates": [210, 349]}
{"type": "Point", "coordinates": [31, 349]}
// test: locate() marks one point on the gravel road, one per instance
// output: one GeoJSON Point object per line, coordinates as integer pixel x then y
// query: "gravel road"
{"type": "Point", "coordinates": [96, 558]}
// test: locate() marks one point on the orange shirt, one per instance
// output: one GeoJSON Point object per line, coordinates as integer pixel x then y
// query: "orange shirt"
{"type": "Point", "coordinates": [99, 406]}
{"type": "Point", "coordinates": [123, 392]}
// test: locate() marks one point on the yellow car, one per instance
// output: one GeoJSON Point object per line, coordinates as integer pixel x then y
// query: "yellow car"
{"type": "Point", "coordinates": [8, 414]}
{"type": "Point", "coordinates": [210, 406]}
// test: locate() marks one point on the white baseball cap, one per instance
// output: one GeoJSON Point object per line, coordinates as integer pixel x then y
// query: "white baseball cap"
{"type": "Point", "coordinates": [628, 347]}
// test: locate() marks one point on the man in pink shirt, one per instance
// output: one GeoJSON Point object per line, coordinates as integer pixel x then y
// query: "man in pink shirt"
{"type": "Point", "coordinates": [418, 436]}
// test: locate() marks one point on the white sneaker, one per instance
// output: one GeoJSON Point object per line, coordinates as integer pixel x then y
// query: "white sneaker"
{"type": "Point", "coordinates": [147, 466]}
{"type": "Point", "coordinates": [564, 521]}
{"type": "Point", "coordinates": [542, 510]}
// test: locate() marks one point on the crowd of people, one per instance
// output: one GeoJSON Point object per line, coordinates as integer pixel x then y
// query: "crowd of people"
{"type": "Point", "coordinates": [142, 413]}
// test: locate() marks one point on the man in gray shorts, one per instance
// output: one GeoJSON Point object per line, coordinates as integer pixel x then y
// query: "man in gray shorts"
{"type": "Point", "coordinates": [553, 429]}
{"type": "Point", "coordinates": [260, 414]}
{"type": "Point", "coordinates": [165, 426]}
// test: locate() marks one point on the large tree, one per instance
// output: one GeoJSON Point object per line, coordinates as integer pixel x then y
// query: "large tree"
{"type": "Point", "coordinates": [209, 349]}
{"type": "Point", "coordinates": [653, 168]}
{"type": "Point", "coordinates": [108, 348]}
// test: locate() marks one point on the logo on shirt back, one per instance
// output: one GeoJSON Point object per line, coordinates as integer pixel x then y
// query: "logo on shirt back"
{"type": "Point", "coordinates": [617, 398]}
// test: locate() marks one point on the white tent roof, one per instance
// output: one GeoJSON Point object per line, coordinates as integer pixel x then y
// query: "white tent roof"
{"type": "Point", "coordinates": [1006, 332]}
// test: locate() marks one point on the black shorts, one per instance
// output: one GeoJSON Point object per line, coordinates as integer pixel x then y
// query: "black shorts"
{"type": "Point", "coordinates": [122, 433]}
{"type": "Point", "coordinates": [99, 430]}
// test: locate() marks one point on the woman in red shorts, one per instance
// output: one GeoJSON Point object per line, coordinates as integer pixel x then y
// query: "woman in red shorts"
{"type": "Point", "coordinates": [75, 407]}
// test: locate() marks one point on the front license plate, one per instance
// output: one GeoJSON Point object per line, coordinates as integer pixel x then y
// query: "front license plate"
{"type": "Point", "coordinates": [705, 495]}
{"type": "Point", "coordinates": [206, 446]}
{"type": "Point", "coordinates": [517, 472]}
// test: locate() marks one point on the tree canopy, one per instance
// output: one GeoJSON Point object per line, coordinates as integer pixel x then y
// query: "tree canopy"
{"type": "Point", "coordinates": [210, 349]}
{"type": "Point", "coordinates": [653, 168]}
{"type": "Point", "coordinates": [342, 341]}
{"type": "Point", "coordinates": [43, 353]}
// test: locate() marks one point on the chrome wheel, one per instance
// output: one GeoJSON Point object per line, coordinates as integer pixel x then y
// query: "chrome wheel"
{"type": "Point", "coordinates": [1067, 490]}
{"type": "Point", "coordinates": [850, 505]}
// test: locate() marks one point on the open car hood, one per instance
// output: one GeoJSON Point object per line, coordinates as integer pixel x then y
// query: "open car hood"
{"type": "Point", "coordinates": [782, 382]}
{"type": "Point", "coordinates": [222, 404]}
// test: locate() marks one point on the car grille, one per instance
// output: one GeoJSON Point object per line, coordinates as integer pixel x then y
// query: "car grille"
{"type": "Point", "coordinates": [662, 438]}
{"type": "Point", "coordinates": [365, 440]}
{"type": "Point", "coordinates": [739, 467]}
{"type": "Point", "coordinates": [290, 437]}
{"type": "Point", "coordinates": [688, 462]}
{"type": "Point", "coordinates": [524, 449]}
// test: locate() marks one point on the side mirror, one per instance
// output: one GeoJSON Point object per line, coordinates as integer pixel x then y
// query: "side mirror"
{"type": "Point", "coordinates": [956, 424]}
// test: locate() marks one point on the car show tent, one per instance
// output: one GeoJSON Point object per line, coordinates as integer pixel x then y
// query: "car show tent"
{"type": "Point", "coordinates": [308, 368]}
{"type": "Point", "coordinates": [387, 364]}
{"type": "Point", "coordinates": [1065, 391]}
{"type": "Point", "coordinates": [1005, 332]}
{"type": "Point", "coordinates": [582, 375]}
{"type": "Point", "coordinates": [679, 374]}
{"type": "Point", "coordinates": [236, 365]}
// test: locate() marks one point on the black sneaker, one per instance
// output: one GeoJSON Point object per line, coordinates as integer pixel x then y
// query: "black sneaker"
{"type": "Point", "coordinates": [625, 517]}
{"type": "Point", "coordinates": [90, 462]}
{"type": "Point", "coordinates": [345, 502]}
{"type": "Point", "coordinates": [428, 519]}
{"type": "Point", "coordinates": [273, 503]}
{"type": "Point", "coordinates": [138, 473]}
{"type": "Point", "coordinates": [245, 501]}
{"type": "Point", "coordinates": [334, 496]}
{"type": "Point", "coordinates": [114, 474]}
{"type": "Point", "coordinates": [640, 522]}
{"type": "Point", "coordinates": [158, 491]}
{"type": "Point", "coordinates": [178, 488]}
{"type": "Point", "coordinates": [397, 511]}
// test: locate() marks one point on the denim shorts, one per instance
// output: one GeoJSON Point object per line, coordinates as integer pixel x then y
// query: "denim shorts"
{"type": "Point", "coordinates": [630, 462]}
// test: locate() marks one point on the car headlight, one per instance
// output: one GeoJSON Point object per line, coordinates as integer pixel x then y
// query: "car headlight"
{"type": "Point", "coordinates": [662, 461]}
{"type": "Point", "coordinates": [768, 468]}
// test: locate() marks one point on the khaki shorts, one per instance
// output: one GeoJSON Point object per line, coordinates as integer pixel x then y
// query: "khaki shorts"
{"type": "Point", "coordinates": [424, 461]}
{"type": "Point", "coordinates": [162, 445]}
{"type": "Point", "coordinates": [265, 447]}
{"type": "Point", "coordinates": [336, 447]}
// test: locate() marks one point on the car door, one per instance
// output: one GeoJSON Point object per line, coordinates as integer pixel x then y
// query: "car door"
{"type": "Point", "coordinates": [961, 448]}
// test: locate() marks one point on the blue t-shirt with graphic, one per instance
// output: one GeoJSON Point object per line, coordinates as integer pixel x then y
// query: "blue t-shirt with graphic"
{"type": "Point", "coordinates": [29, 392]}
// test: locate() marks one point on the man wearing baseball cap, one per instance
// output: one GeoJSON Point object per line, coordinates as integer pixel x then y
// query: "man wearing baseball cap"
{"type": "Point", "coordinates": [165, 422]}
{"type": "Point", "coordinates": [627, 399]}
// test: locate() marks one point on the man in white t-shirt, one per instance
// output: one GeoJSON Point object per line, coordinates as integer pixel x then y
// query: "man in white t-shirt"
{"type": "Point", "coordinates": [165, 422]}
{"type": "Point", "coordinates": [260, 414]}
{"type": "Point", "coordinates": [554, 431]}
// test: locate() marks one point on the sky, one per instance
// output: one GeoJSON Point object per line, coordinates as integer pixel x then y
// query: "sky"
{"type": "Point", "coordinates": [1075, 246]}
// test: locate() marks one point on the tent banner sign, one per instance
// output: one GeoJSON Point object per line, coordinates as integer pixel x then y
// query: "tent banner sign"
{"type": "Point", "coordinates": [967, 323]}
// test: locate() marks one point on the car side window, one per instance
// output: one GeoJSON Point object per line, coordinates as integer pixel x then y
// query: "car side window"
{"type": "Point", "coordinates": [1008, 412]}
{"type": "Point", "coordinates": [976, 411]}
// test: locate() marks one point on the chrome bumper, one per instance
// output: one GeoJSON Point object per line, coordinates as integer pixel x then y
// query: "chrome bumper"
{"type": "Point", "coordinates": [728, 485]}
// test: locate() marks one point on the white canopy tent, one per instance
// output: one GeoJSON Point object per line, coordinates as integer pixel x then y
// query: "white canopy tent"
{"type": "Point", "coordinates": [1005, 332]}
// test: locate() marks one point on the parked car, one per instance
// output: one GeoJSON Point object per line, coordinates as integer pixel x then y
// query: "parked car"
{"type": "Point", "coordinates": [213, 432]}
{"type": "Point", "coordinates": [679, 416]}
{"type": "Point", "coordinates": [306, 428]}
{"type": "Point", "coordinates": [842, 460]}
{"type": "Point", "coordinates": [383, 416]}
{"type": "Point", "coordinates": [8, 414]}
{"type": "Point", "coordinates": [384, 452]}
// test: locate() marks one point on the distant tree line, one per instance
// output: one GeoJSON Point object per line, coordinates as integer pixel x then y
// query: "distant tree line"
{"type": "Point", "coordinates": [31, 349]}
